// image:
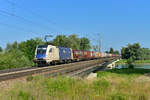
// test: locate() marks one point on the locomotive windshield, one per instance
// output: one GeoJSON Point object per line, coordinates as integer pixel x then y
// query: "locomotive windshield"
{"type": "Point", "coordinates": [42, 46]}
{"type": "Point", "coordinates": [41, 49]}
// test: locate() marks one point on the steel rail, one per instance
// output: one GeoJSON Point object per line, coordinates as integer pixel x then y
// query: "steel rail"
{"type": "Point", "coordinates": [27, 68]}
{"type": "Point", "coordinates": [53, 70]}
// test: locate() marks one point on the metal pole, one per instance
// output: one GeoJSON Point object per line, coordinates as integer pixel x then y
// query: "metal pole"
{"type": "Point", "coordinates": [99, 42]}
{"type": "Point", "coordinates": [46, 36]}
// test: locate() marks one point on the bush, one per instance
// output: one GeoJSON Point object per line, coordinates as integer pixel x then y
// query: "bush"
{"type": "Point", "coordinates": [130, 63]}
{"type": "Point", "coordinates": [14, 59]}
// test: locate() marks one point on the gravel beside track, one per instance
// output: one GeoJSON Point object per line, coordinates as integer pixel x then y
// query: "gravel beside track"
{"type": "Point", "coordinates": [16, 69]}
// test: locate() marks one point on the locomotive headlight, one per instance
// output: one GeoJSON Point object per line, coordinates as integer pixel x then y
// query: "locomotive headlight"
{"type": "Point", "coordinates": [45, 57]}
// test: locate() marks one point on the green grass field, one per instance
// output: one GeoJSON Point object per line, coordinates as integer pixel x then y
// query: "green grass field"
{"type": "Point", "coordinates": [123, 61]}
{"type": "Point", "coordinates": [123, 84]}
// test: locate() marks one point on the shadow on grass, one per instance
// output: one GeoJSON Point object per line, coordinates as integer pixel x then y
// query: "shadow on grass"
{"type": "Point", "coordinates": [129, 71]}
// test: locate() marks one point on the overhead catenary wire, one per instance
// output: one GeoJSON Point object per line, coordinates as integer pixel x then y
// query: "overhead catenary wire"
{"type": "Point", "coordinates": [41, 25]}
{"type": "Point", "coordinates": [23, 18]}
{"type": "Point", "coordinates": [96, 40]}
{"type": "Point", "coordinates": [17, 28]}
{"type": "Point", "coordinates": [37, 15]}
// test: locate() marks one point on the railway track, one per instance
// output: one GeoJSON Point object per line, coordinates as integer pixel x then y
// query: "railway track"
{"type": "Point", "coordinates": [69, 69]}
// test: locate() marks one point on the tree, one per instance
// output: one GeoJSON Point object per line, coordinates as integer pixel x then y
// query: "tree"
{"type": "Point", "coordinates": [1, 49]}
{"type": "Point", "coordinates": [14, 59]}
{"type": "Point", "coordinates": [84, 44]}
{"type": "Point", "coordinates": [111, 50]}
{"type": "Point", "coordinates": [144, 54]}
{"type": "Point", "coordinates": [12, 46]}
{"type": "Point", "coordinates": [61, 40]}
{"type": "Point", "coordinates": [95, 48]}
{"type": "Point", "coordinates": [116, 52]}
{"type": "Point", "coordinates": [135, 52]}
{"type": "Point", "coordinates": [72, 41]}
{"type": "Point", "coordinates": [19, 54]}
{"type": "Point", "coordinates": [28, 47]}
{"type": "Point", "coordinates": [106, 51]}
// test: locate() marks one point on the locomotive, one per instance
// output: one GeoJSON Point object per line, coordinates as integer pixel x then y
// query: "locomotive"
{"type": "Point", "coordinates": [49, 54]}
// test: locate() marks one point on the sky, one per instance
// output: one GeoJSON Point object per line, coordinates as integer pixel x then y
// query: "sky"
{"type": "Point", "coordinates": [118, 22]}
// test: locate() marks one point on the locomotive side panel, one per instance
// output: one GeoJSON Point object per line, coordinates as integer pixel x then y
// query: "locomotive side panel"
{"type": "Point", "coordinates": [52, 53]}
{"type": "Point", "coordinates": [65, 53]}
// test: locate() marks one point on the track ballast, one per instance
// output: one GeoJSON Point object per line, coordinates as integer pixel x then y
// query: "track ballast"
{"type": "Point", "coordinates": [71, 69]}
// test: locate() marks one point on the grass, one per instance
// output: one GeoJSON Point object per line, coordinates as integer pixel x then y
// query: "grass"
{"type": "Point", "coordinates": [142, 62]}
{"type": "Point", "coordinates": [116, 84]}
{"type": "Point", "coordinates": [124, 61]}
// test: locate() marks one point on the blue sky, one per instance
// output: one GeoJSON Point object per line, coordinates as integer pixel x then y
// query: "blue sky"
{"type": "Point", "coordinates": [118, 21]}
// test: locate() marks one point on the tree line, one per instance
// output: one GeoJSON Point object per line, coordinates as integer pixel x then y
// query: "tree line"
{"type": "Point", "coordinates": [19, 54]}
{"type": "Point", "coordinates": [22, 54]}
{"type": "Point", "coordinates": [135, 52]}
{"type": "Point", "coordinates": [112, 51]}
{"type": "Point", "coordinates": [72, 41]}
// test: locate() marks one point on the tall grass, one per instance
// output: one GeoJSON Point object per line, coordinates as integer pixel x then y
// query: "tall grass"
{"type": "Point", "coordinates": [124, 84]}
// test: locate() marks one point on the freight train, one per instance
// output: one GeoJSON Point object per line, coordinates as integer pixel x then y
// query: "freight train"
{"type": "Point", "coordinates": [49, 55]}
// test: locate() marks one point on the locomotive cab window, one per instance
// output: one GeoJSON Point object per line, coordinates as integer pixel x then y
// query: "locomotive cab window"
{"type": "Point", "coordinates": [50, 50]}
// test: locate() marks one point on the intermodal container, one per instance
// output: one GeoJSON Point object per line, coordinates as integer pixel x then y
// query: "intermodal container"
{"type": "Point", "coordinates": [92, 54]}
{"type": "Point", "coordinates": [77, 54]}
{"type": "Point", "coordinates": [89, 54]}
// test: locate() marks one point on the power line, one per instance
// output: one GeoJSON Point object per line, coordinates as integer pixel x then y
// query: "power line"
{"type": "Point", "coordinates": [34, 14]}
{"type": "Point", "coordinates": [16, 27]}
{"type": "Point", "coordinates": [22, 18]}
{"type": "Point", "coordinates": [99, 41]}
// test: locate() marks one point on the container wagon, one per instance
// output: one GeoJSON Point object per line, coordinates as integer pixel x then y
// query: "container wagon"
{"type": "Point", "coordinates": [79, 55]}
